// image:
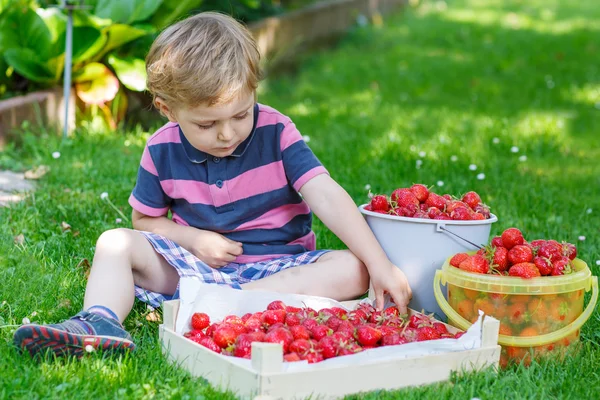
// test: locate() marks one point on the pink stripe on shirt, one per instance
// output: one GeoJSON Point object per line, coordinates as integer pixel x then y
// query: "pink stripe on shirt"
{"type": "Point", "coordinates": [167, 134]}
{"type": "Point", "coordinates": [243, 259]}
{"type": "Point", "coordinates": [275, 218]}
{"type": "Point", "coordinates": [147, 162]}
{"type": "Point", "coordinates": [257, 181]}
{"type": "Point", "coordinates": [192, 191]}
{"type": "Point", "coordinates": [289, 136]}
{"type": "Point", "coordinates": [308, 176]}
{"type": "Point", "coordinates": [146, 210]}
{"type": "Point", "coordinates": [309, 241]}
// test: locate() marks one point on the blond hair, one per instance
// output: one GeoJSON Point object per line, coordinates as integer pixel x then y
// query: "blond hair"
{"type": "Point", "coordinates": [206, 59]}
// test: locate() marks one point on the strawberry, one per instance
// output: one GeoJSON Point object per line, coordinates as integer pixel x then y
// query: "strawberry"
{"type": "Point", "coordinates": [421, 214]}
{"type": "Point", "coordinates": [440, 328]}
{"type": "Point", "coordinates": [393, 340]}
{"type": "Point", "coordinates": [472, 199]}
{"type": "Point", "coordinates": [291, 357]}
{"type": "Point", "coordinates": [458, 258]}
{"type": "Point", "coordinates": [475, 263]}
{"type": "Point", "coordinates": [314, 357]}
{"type": "Point", "coordinates": [276, 326]}
{"type": "Point", "coordinates": [520, 254]}
{"type": "Point", "coordinates": [391, 312]}
{"type": "Point", "coordinates": [280, 335]}
{"type": "Point", "coordinates": [387, 330]}
{"type": "Point", "coordinates": [551, 250]}
{"type": "Point", "coordinates": [253, 324]}
{"type": "Point", "coordinates": [419, 320]}
{"type": "Point", "coordinates": [434, 212]}
{"type": "Point", "coordinates": [367, 335]}
{"type": "Point", "coordinates": [420, 191]}
{"type": "Point", "coordinates": [437, 201]}
{"type": "Point", "coordinates": [246, 317]}
{"type": "Point", "coordinates": [310, 323]}
{"type": "Point", "coordinates": [500, 259]}
{"type": "Point", "coordinates": [320, 331]}
{"type": "Point", "coordinates": [300, 332]}
{"type": "Point", "coordinates": [543, 265]}
{"type": "Point", "coordinates": [210, 330]}
{"type": "Point", "coordinates": [339, 312]}
{"type": "Point", "coordinates": [276, 305]}
{"type": "Point", "coordinates": [524, 270]}
{"type": "Point", "coordinates": [328, 347]}
{"type": "Point", "coordinates": [454, 204]}
{"type": "Point", "coordinates": [210, 344]}
{"type": "Point", "coordinates": [443, 216]}
{"type": "Point", "coordinates": [397, 192]}
{"type": "Point", "coordinates": [233, 319]}
{"type": "Point", "coordinates": [333, 322]}
{"type": "Point", "coordinates": [569, 250]}
{"type": "Point", "coordinates": [406, 199]}
{"type": "Point", "coordinates": [380, 203]}
{"type": "Point", "coordinates": [349, 349]}
{"type": "Point", "coordinates": [301, 346]}
{"type": "Point", "coordinates": [497, 242]}
{"type": "Point", "coordinates": [512, 237]}
{"type": "Point", "coordinates": [477, 216]}
{"type": "Point", "coordinates": [461, 214]}
{"type": "Point", "coordinates": [292, 319]}
{"type": "Point", "coordinates": [271, 317]}
{"type": "Point", "coordinates": [561, 266]}
{"type": "Point", "coordinates": [224, 336]}
{"type": "Point", "coordinates": [243, 346]}
{"type": "Point", "coordinates": [357, 317]}
{"type": "Point", "coordinates": [200, 321]}
{"type": "Point", "coordinates": [536, 244]}
{"type": "Point", "coordinates": [483, 210]}
{"type": "Point", "coordinates": [291, 309]}
{"type": "Point", "coordinates": [427, 333]}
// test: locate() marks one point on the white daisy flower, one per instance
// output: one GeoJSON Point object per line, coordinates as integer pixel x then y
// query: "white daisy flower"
{"type": "Point", "coordinates": [581, 238]}
{"type": "Point", "coordinates": [496, 140]}
{"type": "Point", "coordinates": [472, 167]}
{"type": "Point", "coordinates": [33, 314]}
{"type": "Point", "coordinates": [104, 196]}
{"type": "Point", "coordinates": [481, 176]}
{"type": "Point", "coordinates": [419, 163]}
{"type": "Point", "coordinates": [367, 187]}
{"type": "Point", "coordinates": [306, 138]}
{"type": "Point", "coordinates": [56, 154]}
{"type": "Point", "coordinates": [523, 158]}
{"type": "Point", "coordinates": [440, 183]}
{"type": "Point", "coordinates": [118, 220]}
{"type": "Point", "coordinates": [597, 262]}
{"type": "Point", "coordinates": [514, 149]}
{"type": "Point", "coordinates": [89, 348]}
{"type": "Point", "coordinates": [26, 321]}
{"type": "Point", "coordinates": [588, 211]}
{"type": "Point", "coordinates": [453, 158]}
{"type": "Point", "coordinates": [422, 154]}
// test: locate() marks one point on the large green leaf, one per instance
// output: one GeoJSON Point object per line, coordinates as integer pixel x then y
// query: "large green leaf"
{"type": "Point", "coordinates": [56, 22]}
{"type": "Point", "coordinates": [126, 11]}
{"type": "Point", "coordinates": [131, 71]}
{"type": "Point", "coordinates": [4, 5]}
{"type": "Point", "coordinates": [171, 10]}
{"type": "Point", "coordinates": [87, 42]}
{"type": "Point", "coordinates": [102, 89]}
{"type": "Point", "coordinates": [117, 35]}
{"type": "Point", "coordinates": [22, 28]}
{"type": "Point", "coordinates": [27, 63]}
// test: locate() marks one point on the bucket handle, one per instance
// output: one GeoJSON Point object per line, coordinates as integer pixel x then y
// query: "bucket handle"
{"type": "Point", "coordinates": [517, 340]}
{"type": "Point", "coordinates": [442, 228]}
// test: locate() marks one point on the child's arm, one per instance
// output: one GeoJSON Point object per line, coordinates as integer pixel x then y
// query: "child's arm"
{"type": "Point", "coordinates": [332, 204]}
{"type": "Point", "coordinates": [213, 248]}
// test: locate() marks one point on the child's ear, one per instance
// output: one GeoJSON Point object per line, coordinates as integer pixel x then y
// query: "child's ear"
{"type": "Point", "coordinates": [164, 109]}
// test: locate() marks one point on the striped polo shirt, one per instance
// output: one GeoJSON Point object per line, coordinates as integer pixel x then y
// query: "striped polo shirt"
{"type": "Point", "coordinates": [250, 196]}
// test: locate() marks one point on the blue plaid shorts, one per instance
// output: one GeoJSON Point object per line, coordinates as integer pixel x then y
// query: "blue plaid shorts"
{"type": "Point", "coordinates": [232, 274]}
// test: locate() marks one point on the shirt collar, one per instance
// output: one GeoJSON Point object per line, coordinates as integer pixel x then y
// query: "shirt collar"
{"type": "Point", "coordinates": [197, 156]}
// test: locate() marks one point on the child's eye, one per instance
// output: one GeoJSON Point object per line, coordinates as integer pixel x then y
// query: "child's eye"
{"type": "Point", "coordinates": [244, 115]}
{"type": "Point", "coordinates": [205, 126]}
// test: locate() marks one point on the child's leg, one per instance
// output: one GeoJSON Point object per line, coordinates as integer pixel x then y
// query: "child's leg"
{"type": "Point", "coordinates": [123, 257]}
{"type": "Point", "coordinates": [339, 275]}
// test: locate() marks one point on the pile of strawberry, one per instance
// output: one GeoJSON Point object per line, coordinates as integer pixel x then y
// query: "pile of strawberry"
{"type": "Point", "coordinates": [306, 334]}
{"type": "Point", "coordinates": [510, 254]}
{"type": "Point", "coordinates": [418, 201]}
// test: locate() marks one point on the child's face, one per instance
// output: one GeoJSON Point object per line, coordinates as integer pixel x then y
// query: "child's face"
{"type": "Point", "coordinates": [217, 130]}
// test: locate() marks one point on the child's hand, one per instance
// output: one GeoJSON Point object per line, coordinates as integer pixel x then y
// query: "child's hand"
{"type": "Point", "coordinates": [391, 280]}
{"type": "Point", "coordinates": [213, 248]}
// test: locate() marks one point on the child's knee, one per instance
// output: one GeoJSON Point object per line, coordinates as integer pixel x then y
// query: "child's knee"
{"type": "Point", "coordinates": [355, 271]}
{"type": "Point", "coordinates": [117, 240]}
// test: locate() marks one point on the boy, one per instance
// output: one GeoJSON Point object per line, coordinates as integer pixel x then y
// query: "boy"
{"type": "Point", "coordinates": [238, 180]}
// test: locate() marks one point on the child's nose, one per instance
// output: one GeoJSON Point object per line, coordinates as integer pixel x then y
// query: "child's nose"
{"type": "Point", "coordinates": [226, 133]}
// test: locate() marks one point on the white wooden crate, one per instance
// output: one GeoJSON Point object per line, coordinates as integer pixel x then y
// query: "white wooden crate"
{"type": "Point", "coordinates": [266, 379]}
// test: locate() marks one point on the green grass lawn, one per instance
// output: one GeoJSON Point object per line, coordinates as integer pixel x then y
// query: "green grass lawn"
{"type": "Point", "coordinates": [471, 79]}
